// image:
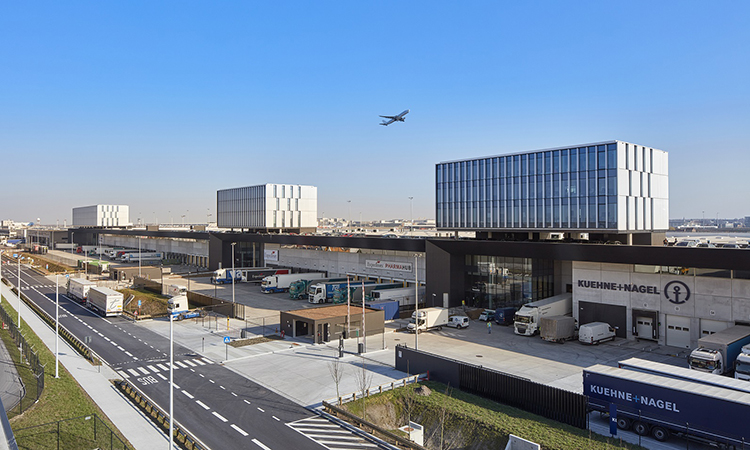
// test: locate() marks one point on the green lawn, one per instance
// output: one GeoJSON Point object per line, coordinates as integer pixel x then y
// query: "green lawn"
{"type": "Point", "coordinates": [62, 398]}
{"type": "Point", "coordinates": [468, 421]}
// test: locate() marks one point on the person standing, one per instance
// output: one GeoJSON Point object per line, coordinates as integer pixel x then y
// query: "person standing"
{"type": "Point", "coordinates": [489, 327]}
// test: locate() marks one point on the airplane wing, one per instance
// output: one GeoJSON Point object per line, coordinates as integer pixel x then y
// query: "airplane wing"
{"type": "Point", "coordinates": [387, 123]}
{"type": "Point", "coordinates": [401, 116]}
{"type": "Point", "coordinates": [388, 117]}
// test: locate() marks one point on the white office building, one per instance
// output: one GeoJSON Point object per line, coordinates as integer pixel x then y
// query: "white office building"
{"type": "Point", "coordinates": [605, 187]}
{"type": "Point", "coordinates": [268, 207]}
{"type": "Point", "coordinates": [101, 216]}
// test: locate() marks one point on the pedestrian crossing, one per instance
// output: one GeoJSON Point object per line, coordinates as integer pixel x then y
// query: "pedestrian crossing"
{"type": "Point", "coordinates": [330, 435]}
{"type": "Point", "coordinates": [157, 368]}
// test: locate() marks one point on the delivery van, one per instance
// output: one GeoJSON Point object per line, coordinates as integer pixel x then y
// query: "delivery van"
{"type": "Point", "coordinates": [595, 332]}
{"type": "Point", "coordinates": [458, 322]}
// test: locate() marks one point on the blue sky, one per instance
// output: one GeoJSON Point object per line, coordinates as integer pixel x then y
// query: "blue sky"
{"type": "Point", "coordinates": [159, 104]}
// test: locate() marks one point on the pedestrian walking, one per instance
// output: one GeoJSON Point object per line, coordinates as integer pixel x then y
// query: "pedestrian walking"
{"type": "Point", "coordinates": [489, 327]}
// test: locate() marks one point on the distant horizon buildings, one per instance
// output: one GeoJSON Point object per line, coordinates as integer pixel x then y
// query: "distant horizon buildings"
{"type": "Point", "coordinates": [101, 216]}
{"type": "Point", "coordinates": [268, 207]}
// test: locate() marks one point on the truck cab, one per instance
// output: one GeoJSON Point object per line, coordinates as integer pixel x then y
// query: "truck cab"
{"type": "Point", "coordinates": [706, 360]}
{"type": "Point", "coordinates": [742, 364]}
{"type": "Point", "coordinates": [524, 322]}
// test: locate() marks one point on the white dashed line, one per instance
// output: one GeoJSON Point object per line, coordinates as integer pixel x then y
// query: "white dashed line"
{"type": "Point", "coordinates": [202, 376]}
{"type": "Point", "coordinates": [223, 387]}
{"type": "Point", "coordinates": [161, 376]}
{"type": "Point", "coordinates": [276, 418]}
{"type": "Point", "coordinates": [260, 444]}
{"type": "Point", "coordinates": [128, 353]}
{"type": "Point", "coordinates": [106, 338]}
{"type": "Point", "coordinates": [219, 416]}
{"type": "Point", "coordinates": [239, 430]}
{"type": "Point", "coordinates": [212, 381]}
{"type": "Point", "coordinates": [203, 405]}
{"type": "Point", "coordinates": [247, 402]}
{"type": "Point", "coordinates": [234, 394]}
{"type": "Point", "coordinates": [260, 409]}
{"type": "Point", "coordinates": [187, 394]}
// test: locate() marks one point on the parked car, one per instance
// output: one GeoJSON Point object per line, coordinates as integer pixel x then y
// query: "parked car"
{"type": "Point", "coordinates": [595, 332]}
{"type": "Point", "coordinates": [686, 244]}
{"type": "Point", "coordinates": [730, 246]}
{"type": "Point", "coordinates": [706, 245]}
{"type": "Point", "coordinates": [487, 315]}
{"type": "Point", "coordinates": [458, 322]}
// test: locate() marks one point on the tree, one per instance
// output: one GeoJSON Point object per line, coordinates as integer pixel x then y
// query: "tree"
{"type": "Point", "coordinates": [336, 370]}
{"type": "Point", "coordinates": [364, 381]}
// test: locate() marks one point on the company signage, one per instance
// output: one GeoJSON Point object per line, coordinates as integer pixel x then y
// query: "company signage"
{"type": "Point", "coordinates": [675, 291]}
{"type": "Point", "coordinates": [271, 255]}
{"type": "Point", "coordinates": [388, 265]}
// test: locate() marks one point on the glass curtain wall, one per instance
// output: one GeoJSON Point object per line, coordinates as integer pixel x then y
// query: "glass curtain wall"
{"type": "Point", "coordinates": [572, 188]}
{"type": "Point", "coordinates": [247, 254]}
{"type": "Point", "coordinates": [497, 281]}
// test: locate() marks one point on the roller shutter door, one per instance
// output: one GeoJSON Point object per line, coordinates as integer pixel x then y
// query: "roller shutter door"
{"type": "Point", "coordinates": [678, 331]}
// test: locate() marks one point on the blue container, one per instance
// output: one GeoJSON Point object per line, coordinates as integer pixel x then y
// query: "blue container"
{"type": "Point", "coordinates": [389, 307]}
{"type": "Point", "coordinates": [504, 316]}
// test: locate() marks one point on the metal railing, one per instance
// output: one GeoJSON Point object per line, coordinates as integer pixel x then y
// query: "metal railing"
{"type": "Point", "coordinates": [31, 370]}
{"type": "Point", "coordinates": [74, 433]}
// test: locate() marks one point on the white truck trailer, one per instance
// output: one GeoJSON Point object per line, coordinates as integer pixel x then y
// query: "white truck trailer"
{"type": "Point", "coordinates": [428, 319]}
{"type": "Point", "coordinates": [281, 283]}
{"type": "Point", "coordinates": [105, 301]}
{"type": "Point", "coordinates": [78, 289]}
{"type": "Point", "coordinates": [405, 296]}
{"type": "Point", "coordinates": [557, 328]}
{"type": "Point", "coordinates": [526, 321]}
{"type": "Point", "coordinates": [717, 352]}
{"type": "Point", "coordinates": [742, 364]}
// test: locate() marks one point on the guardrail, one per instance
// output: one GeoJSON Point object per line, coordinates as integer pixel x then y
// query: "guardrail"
{"type": "Point", "coordinates": [385, 387]}
{"type": "Point", "coordinates": [371, 428]}
{"type": "Point", "coordinates": [159, 417]}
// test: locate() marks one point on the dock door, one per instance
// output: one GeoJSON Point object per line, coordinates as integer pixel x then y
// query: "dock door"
{"type": "Point", "coordinates": [678, 331]}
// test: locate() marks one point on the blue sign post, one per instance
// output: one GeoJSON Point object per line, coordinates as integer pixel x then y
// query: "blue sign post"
{"type": "Point", "coordinates": [226, 345]}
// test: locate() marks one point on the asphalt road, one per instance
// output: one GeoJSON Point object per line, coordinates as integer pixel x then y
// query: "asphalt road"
{"type": "Point", "coordinates": [222, 409]}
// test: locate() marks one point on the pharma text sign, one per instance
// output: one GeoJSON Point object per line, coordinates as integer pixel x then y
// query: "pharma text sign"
{"type": "Point", "coordinates": [388, 265]}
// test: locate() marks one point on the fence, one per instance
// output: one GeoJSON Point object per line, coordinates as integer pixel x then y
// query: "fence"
{"type": "Point", "coordinates": [30, 372]}
{"type": "Point", "coordinates": [70, 434]}
{"type": "Point", "coordinates": [552, 403]}
{"type": "Point", "coordinates": [385, 387]}
{"type": "Point", "coordinates": [159, 417]}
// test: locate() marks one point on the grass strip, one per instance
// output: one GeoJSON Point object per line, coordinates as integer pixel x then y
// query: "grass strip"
{"type": "Point", "coordinates": [62, 398]}
{"type": "Point", "coordinates": [462, 420]}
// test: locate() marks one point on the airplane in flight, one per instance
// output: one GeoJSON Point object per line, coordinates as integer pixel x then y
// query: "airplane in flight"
{"type": "Point", "coordinates": [391, 119]}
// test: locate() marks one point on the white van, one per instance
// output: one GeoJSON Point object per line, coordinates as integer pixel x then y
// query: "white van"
{"type": "Point", "coordinates": [595, 332]}
{"type": "Point", "coordinates": [458, 322]}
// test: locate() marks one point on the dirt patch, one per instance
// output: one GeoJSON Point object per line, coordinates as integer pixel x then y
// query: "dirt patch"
{"type": "Point", "coordinates": [253, 341]}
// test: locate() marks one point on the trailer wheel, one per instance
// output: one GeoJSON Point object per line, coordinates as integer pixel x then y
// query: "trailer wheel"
{"type": "Point", "coordinates": [661, 434]}
{"type": "Point", "coordinates": [623, 423]}
{"type": "Point", "coordinates": [640, 428]}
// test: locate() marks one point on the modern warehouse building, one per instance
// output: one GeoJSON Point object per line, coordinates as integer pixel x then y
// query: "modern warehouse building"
{"type": "Point", "coordinates": [614, 191]}
{"type": "Point", "coordinates": [278, 207]}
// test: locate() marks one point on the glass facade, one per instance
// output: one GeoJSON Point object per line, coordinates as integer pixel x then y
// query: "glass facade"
{"type": "Point", "coordinates": [565, 188]}
{"type": "Point", "coordinates": [496, 281]}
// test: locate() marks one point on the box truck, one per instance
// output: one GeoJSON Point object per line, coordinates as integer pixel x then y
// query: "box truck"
{"type": "Point", "coordinates": [281, 283]}
{"type": "Point", "coordinates": [526, 320]}
{"type": "Point", "coordinates": [105, 301]}
{"type": "Point", "coordinates": [323, 292]}
{"type": "Point", "coordinates": [429, 318]}
{"type": "Point", "coordinates": [717, 352]}
{"type": "Point", "coordinates": [557, 328]}
{"type": "Point", "coordinates": [298, 289]}
{"type": "Point", "coordinates": [661, 406]}
{"type": "Point", "coordinates": [78, 289]}
{"type": "Point", "coordinates": [356, 291]}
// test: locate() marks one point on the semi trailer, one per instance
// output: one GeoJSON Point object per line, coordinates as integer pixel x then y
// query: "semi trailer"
{"type": "Point", "coordinates": [281, 283]}
{"type": "Point", "coordinates": [526, 320]}
{"type": "Point", "coordinates": [717, 352]}
{"type": "Point", "coordinates": [78, 289]}
{"type": "Point", "coordinates": [105, 301]}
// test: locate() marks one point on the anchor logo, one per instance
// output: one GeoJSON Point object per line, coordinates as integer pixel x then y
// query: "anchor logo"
{"type": "Point", "coordinates": [677, 292]}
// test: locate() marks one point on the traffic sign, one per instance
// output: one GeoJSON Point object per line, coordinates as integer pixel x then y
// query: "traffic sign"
{"type": "Point", "coordinates": [226, 339]}
{"type": "Point", "coordinates": [139, 302]}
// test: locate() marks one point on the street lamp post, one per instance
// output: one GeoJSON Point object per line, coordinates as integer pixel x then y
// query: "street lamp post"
{"type": "Point", "coordinates": [19, 291]}
{"type": "Point", "coordinates": [411, 216]}
{"type": "Point", "coordinates": [139, 256]}
{"type": "Point", "coordinates": [416, 304]}
{"type": "Point", "coordinates": [171, 380]}
{"type": "Point", "coordinates": [350, 213]}
{"type": "Point", "coordinates": [233, 272]}
{"type": "Point", "coordinates": [57, 324]}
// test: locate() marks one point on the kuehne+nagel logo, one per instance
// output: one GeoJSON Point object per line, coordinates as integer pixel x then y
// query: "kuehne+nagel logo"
{"type": "Point", "coordinates": [677, 292]}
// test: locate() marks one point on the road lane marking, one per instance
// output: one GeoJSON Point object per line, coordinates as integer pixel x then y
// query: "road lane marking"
{"type": "Point", "coordinates": [145, 372]}
{"type": "Point", "coordinates": [260, 409]}
{"type": "Point", "coordinates": [260, 444]}
{"type": "Point", "coordinates": [153, 368]}
{"type": "Point", "coordinates": [223, 387]}
{"type": "Point", "coordinates": [203, 405]}
{"type": "Point", "coordinates": [181, 364]}
{"type": "Point", "coordinates": [128, 353]}
{"type": "Point", "coordinates": [202, 376]}
{"type": "Point", "coordinates": [187, 394]}
{"type": "Point", "coordinates": [189, 363]}
{"type": "Point", "coordinates": [161, 376]}
{"type": "Point", "coordinates": [212, 381]}
{"type": "Point", "coordinates": [246, 401]}
{"type": "Point", "coordinates": [234, 394]}
{"type": "Point", "coordinates": [276, 418]}
{"type": "Point", "coordinates": [134, 373]}
{"type": "Point", "coordinates": [162, 367]}
{"type": "Point", "coordinates": [239, 430]}
{"type": "Point", "coordinates": [219, 416]}
{"type": "Point", "coordinates": [124, 375]}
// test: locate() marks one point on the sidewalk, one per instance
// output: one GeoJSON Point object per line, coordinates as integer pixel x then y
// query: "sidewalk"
{"type": "Point", "coordinates": [135, 426]}
{"type": "Point", "coordinates": [10, 383]}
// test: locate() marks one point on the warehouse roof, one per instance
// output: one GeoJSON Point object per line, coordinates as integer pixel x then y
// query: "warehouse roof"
{"type": "Point", "coordinates": [327, 312]}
